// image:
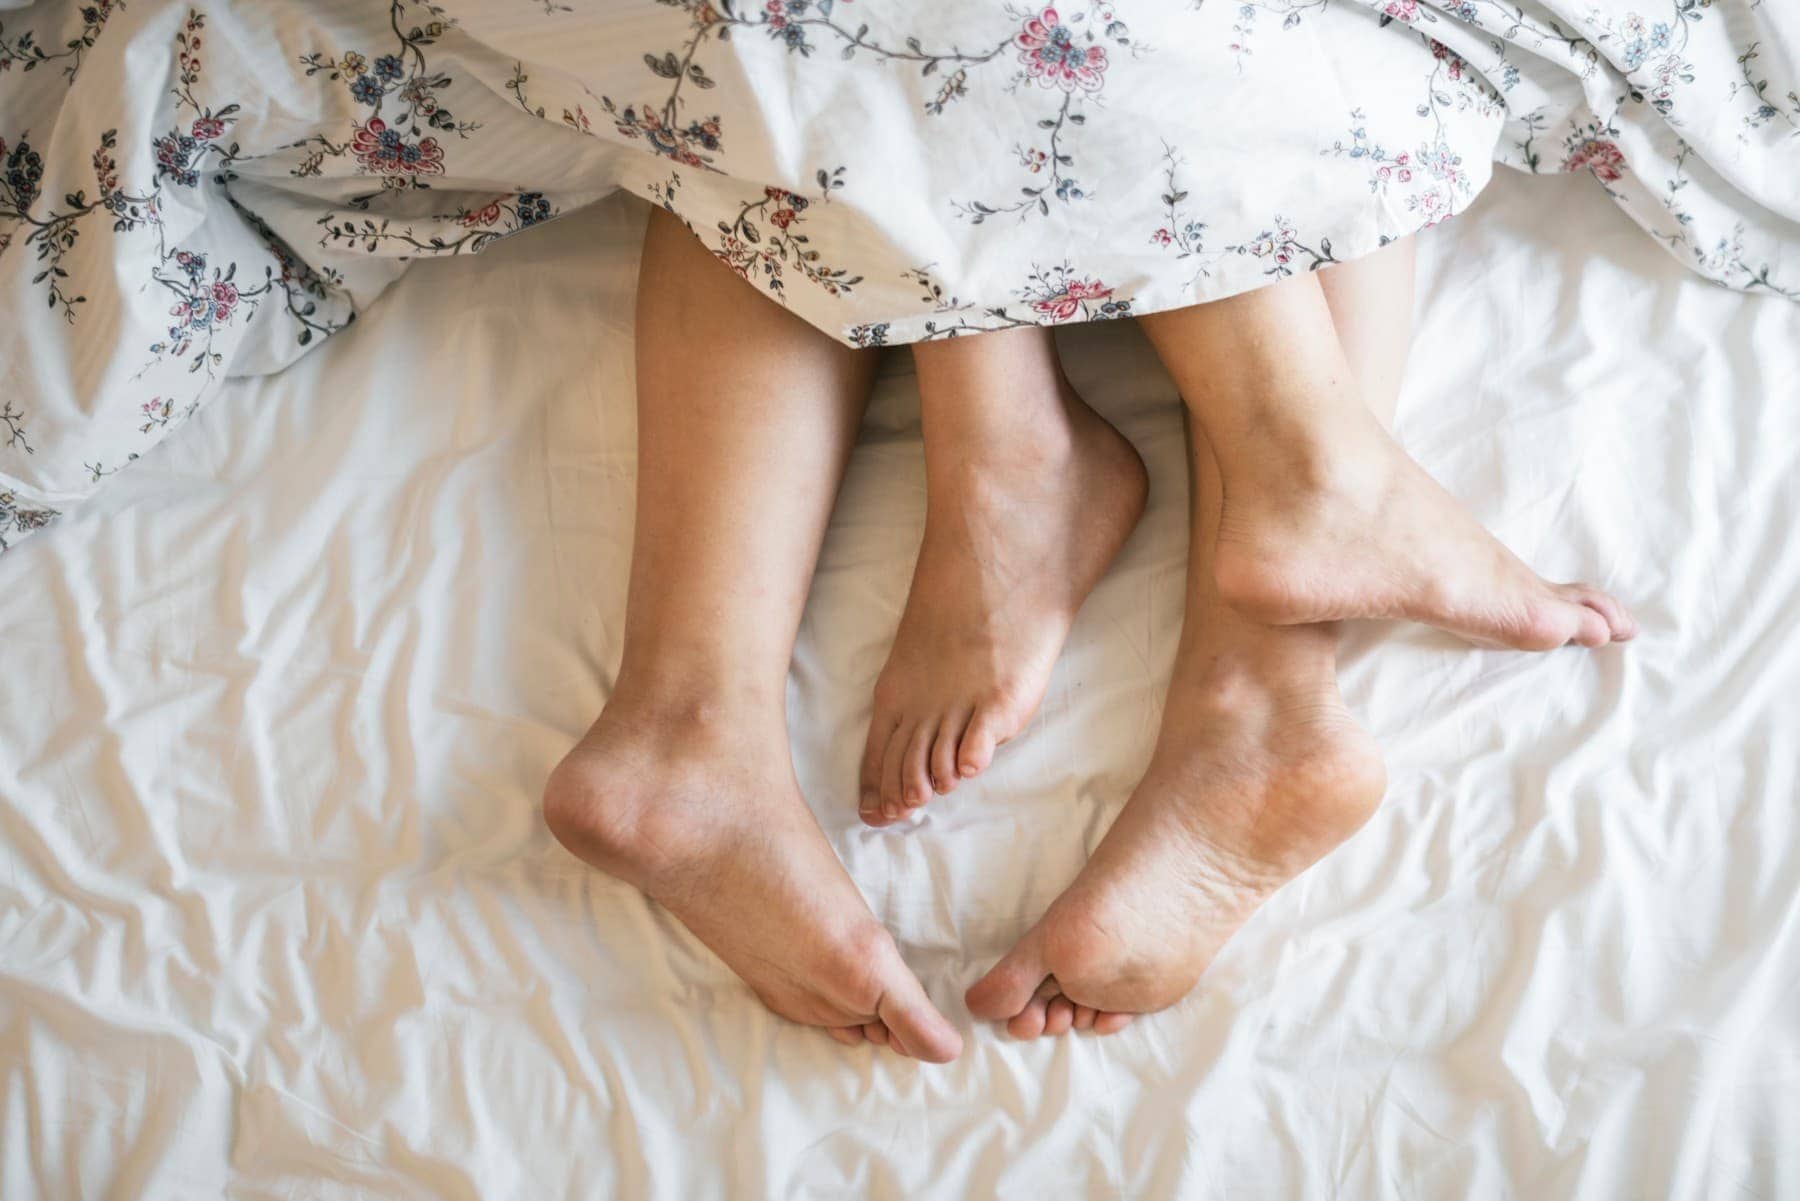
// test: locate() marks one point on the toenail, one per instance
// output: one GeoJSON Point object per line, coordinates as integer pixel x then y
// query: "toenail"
{"type": "Point", "coordinates": [890, 811]}
{"type": "Point", "coordinates": [870, 802]}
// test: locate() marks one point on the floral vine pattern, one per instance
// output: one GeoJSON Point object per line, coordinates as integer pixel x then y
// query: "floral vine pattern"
{"type": "Point", "coordinates": [797, 25]}
{"type": "Point", "coordinates": [1048, 296]}
{"type": "Point", "coordinates": [205, 302]}
{"type": "Point", "coordinates": [1725, 258]}
{"type": "Point", "coordinates": [22, 50]}
{"type": "Point", "coordinates": [1430, 175]}
{"type": "Point", "coordinates": [1244, 25]}
{"type": "Point", "coordinates": [54, 233]}
{"type": "Point", "coordinates": [397, 142]}
{"type": "Point", "coordinates": [1764, 109]}
{"type": "Point", "coordinates": [18, 519]}
{"type": "Point", "coordinates": [498, 218]}
{"type": "Point", "coordinates": [182, 152]}
{"type": "Point", "coordinates": [763, 255]}
{"type": "Point", "coordinates": [1057, 55]}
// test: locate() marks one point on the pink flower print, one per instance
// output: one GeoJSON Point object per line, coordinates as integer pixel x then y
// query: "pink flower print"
{"type": "Point", "coordinates": [207, 128]}
{"type": "Point", "coordinates": [1406, 11]}
{"type": "Point", "coordinates": [385, 152]}
{"type": "Point", "coordinates": [1600, 156]}
{"type": "Point", "coordinates": [1453, 61]}
{"type": "Point", "coordinates": [224, 298]}
{"type": "Point", "coordinates": [1047, 49]}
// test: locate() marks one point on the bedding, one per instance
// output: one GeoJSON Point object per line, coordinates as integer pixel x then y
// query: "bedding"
{"type": "Point", "coordinates": [279, 917]}
{"type": "Point", "coordinates": [190, 192]}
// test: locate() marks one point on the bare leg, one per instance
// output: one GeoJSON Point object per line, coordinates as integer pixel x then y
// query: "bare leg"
{"type": "Point", "coordinates": [1259, 771]}
{"type": "Point", "coordinates": [1030, 494]}
{"type": "Point", "coordinates": [1324, 517]}
{"type": "Point", "coordinates": [1371, 303]}
{"type": "Point", "coordinates": [684, 787]}
{"type": "Point", "coordinates": [1259, 768]}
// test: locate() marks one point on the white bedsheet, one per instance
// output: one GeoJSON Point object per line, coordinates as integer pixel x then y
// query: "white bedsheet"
{"type": "Point", "coordinates": [279, 918]}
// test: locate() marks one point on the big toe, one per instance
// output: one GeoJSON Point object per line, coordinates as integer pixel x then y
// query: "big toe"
{"type": "Point", "coordinates": [988, 728]}
{"type": "Point", "coordinates": [1591, 626]}
{"type": "Point", "coordinates": [913, 1021]}
{"type": "Point", "coordinates": [1621, 626]}
{"type": "Point", "coordinates": [1011, 984]}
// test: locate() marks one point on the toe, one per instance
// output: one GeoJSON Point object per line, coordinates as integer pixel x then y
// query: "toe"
{"type": "Point", "coordinates": [1619, 622]}
{"type": "Point", "coordinates": [892, 807]}
{"type": "Point", "coordinates": [1591, 628]}
{"type": "Point", "coordinates": [1059, 1016]}
{"type": "Point", "coordinates": [1029, 1022]}
{"type": "Point", "coordinates": [943, 752]}
{"type": "Point", "coordinates": [850, 1036]}
{"type": "Point", "coordinates": [979, 740]}
{"type": "Point", "coordinates": [881, 730]}
{"type": "Point", "coordinates": [915, 766]}
{"type": "Point", "coordinates": [914, 1021]}
{"type": "Point", "coordinates": [1010, 984]}
{"type": "Point", "coordinates": [876, 1033]}
{"type": "Point", "coordinates": [1084, 1017]}
{"type": "Point", "coordinates": [1112, 1023]}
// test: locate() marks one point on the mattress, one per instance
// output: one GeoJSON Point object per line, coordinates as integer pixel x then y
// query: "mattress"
{"type": "Point", "coordinates": [279, 917]}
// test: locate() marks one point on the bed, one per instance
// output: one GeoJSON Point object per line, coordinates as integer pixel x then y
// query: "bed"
{"type": "Point", "coordinates": [279, 917]}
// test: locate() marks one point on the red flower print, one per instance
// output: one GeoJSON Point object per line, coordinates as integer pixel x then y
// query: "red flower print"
{"type": "Point", "coordinates": [1601, 157]}
{"type": "Point", "coordinates": [225, 298]}
{"type": "Point", "coordinates": [1162, 237]}
{"type": "Point", "coordinates": [1064, 305]}
{"type": "Point", "coordinates": [385, 152]}
{"type": "Point", "coordinates": [1050, 55]}
{"type": "Point", "coordinates": [1448, 56]}
{"type": "Point", "coordinates": [207, 128]}
{"type": "Point", "coordinates": [782, 218]}
{"type": "Point", "coordinates": [486, 215]}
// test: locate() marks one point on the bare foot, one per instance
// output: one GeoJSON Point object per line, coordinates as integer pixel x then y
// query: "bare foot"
{"type": "Point", "coordinates": [1251, 784]}
{"type": "Point", "coordinates": [702, 813]}
{"type": "Point", "coordinates": [1368, 534]}
{"type": "Point", "coordinates": [1017, 533]}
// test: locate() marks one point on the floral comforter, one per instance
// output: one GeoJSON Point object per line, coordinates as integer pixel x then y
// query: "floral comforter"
{"type": "Point", "coordinates": [194, 190]}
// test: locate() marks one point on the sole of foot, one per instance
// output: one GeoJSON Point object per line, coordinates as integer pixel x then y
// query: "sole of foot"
{"type": "Point", "coordinates": [705, 817]}
{"type": "Point", "coordinates": [1247, 790]}
{"type": "Point", "coordinates": [1373, 536]}
{"type": "Point", "coordinates": [1013, 544]}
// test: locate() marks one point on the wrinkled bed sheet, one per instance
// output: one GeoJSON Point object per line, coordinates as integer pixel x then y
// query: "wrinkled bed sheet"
{"type": "Point", "coordinates": [278, 917]}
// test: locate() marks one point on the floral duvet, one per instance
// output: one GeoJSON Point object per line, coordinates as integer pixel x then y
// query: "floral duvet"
{"type": "Point", "coordinates": [191, 191]}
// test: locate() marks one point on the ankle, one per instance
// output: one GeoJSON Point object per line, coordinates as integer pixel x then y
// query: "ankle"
{"type": "Point", "coordinates": [1273, 671]}
{"type": "Point", "coordinates": [700, 705]}
{"type": "Point", "coordinates": [960, 453]}
{"type": "Point", "coordinates": [1340, 451]}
